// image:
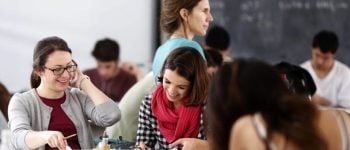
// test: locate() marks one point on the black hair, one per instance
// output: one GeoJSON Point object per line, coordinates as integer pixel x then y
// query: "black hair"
{"type": "Point", "coordinates": [327, 41]}
{"type": "Point", "coordinates": [106, 50]}
{"type": "Point", "coordinates": [297, 79]}
{"type": "Point", "coordinates": [217, 37]}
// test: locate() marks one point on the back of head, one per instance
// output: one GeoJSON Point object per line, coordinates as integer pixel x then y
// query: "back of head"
{"type": "Point", "coordinates": [327, 41]}
{"type": "Point", "coordinates": [189, 64]}
{"type": "Point", "coordinates": [247, 86]}
{"type": "Point", "coordinates": [239, 88]}
{"type": "Point", "coordinates": [296, 78]}
{"type": "Point", "coordinates": [106, 50]}
{"type": "Point", "coordinates": [42, 50]}
{"type": "Point", "coordinates": [170, 18]}
{"type": "Point", "coordinates": [218, 38]}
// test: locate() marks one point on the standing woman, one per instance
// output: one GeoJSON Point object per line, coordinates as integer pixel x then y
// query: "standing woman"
{"type": "Point", "coordinates": [174, 110]}
{"type": "Point", "coordinates": [44, 116]}
{"type": "Point", "coordinates": [182, 20]}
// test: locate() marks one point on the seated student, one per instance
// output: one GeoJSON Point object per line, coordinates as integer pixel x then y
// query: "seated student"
{"type": "Point", "coordinates": [174, 110]}
{"type": "Point", "coordinates": [332, 77]}
{"type": "Point", "coordinates": [127, 126]}
{"type": "Point", "coordinates": [108, 76]}
{"type": "Point", "coordinates": [44, 116]}
{"type": "Point", "coordinates": [262, 113]}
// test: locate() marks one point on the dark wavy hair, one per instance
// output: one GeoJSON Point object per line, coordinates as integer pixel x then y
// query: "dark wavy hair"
{"type": "Point", "coordinates": [247, 86]}
{"type": "Point", "coordinates": [42, 50]}
{"type": "Point", "coordinates": [189, 64]}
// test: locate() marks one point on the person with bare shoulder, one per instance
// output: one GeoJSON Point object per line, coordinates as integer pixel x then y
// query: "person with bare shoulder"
{"type": "Point", "coordinates": [260, 112]}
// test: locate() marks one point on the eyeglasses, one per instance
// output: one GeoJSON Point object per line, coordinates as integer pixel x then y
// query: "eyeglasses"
{"type": "Point", "coordinates": [60, 71]}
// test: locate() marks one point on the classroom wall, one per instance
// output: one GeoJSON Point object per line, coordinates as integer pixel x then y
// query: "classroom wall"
{"type": "Point", "coordinates": [80, 23]}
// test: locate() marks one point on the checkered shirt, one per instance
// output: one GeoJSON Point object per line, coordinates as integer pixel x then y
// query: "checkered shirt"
{"type": "Point", "coordinates": [148, 131]}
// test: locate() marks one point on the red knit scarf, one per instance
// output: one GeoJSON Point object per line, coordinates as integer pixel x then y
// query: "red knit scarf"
{"type": "Point", "coordinates": [182, 122]}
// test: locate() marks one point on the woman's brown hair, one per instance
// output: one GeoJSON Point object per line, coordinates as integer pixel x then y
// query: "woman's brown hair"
{"type": "Point", "coordinates": [42, 50]}
{"type": "Point", "coordinates": [188, 63]}
{"type": "Point", "coordinates": [249, 86]}
{"type": "Point", "coordinates": [170, 18]}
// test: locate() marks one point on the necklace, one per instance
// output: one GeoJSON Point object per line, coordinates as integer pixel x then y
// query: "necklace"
{"type": "Point", "coordinates": [176, 36]}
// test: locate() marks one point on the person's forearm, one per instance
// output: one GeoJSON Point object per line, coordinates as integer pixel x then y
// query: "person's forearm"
{"type": "Point", "coordinates": [320, 100]}
{"type": "Point", "coordinates": [97, 96]}
{"type": "Point", "coordinates": [35, 139]}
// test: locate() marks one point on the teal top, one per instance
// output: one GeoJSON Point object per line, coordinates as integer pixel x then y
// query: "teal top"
{"type": "Point", "coordinates": [164, 50]}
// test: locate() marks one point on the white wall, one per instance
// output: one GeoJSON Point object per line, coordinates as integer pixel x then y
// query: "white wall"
{"type": "Point", "coordinates": [80, 23]}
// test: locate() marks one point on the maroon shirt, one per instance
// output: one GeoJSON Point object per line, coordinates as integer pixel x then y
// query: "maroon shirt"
{"type": "Point", "coordinates": [59, 121]}
{"type": "Point", "coordinates": [114, 88]}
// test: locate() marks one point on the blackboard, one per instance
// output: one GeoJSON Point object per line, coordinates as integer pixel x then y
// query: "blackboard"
{"type": "Point", "coordinates": [276, 30]}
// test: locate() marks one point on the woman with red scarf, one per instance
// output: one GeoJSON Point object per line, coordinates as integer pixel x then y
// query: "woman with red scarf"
{"type": "Point", "coordinates": [175, 108]}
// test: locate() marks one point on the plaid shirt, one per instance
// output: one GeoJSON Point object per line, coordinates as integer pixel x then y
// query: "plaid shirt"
{"type": "Point", "coordinates": [148, 131]}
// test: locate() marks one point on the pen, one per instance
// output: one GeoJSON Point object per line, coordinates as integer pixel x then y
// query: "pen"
{"type": "Point", "coordinates": [67, 137]}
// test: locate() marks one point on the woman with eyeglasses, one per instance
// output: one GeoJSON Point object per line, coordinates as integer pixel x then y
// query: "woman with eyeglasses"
{"type": "Point", "coordinates": [61, 103]}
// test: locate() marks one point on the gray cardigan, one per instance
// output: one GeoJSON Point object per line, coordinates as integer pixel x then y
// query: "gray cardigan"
{"type": "Point", "coordinates": [28, 113]}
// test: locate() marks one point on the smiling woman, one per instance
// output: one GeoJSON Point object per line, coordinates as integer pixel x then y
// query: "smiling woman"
{"type": "Point", "coordinates": [54, 109]}
{"type": "Point", "coordinates": [174, 110]}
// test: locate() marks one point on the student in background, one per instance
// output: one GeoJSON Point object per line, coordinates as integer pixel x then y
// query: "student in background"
{"type": "Point", "coordinates": [332, 77]}
{"type": "Point", "coordinates": [175, 109]}
{"type": "Point", "coordinates": [108, 76]}
{"type": "Point", "coordinates": [42, 117]}
{"type": "Point", "coordinates": [218, 38]}
{"type": "Point", "coordinates": [262, 113]}
{"type": "Point", "coordinates": [182, 20]}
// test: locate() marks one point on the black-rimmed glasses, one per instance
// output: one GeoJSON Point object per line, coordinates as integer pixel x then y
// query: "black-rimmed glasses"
{"type": "Point", "coordinates": [60, 71]}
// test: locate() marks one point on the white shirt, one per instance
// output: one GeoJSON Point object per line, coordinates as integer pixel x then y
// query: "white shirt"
{"type": "Point", "coordinates": [335, 86]}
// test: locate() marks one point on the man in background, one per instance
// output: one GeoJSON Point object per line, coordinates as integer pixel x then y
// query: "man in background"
{"type": "Point", "coordinates": [108, 76]}
{"type": "Point", "coordinates": [332, 77]}
{"type": "Point", "coordinates": [219, 39]}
